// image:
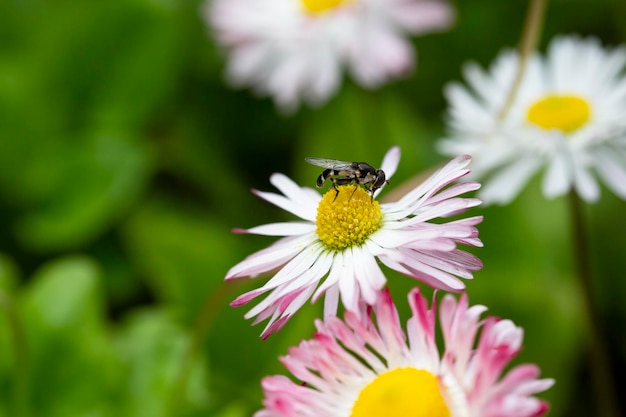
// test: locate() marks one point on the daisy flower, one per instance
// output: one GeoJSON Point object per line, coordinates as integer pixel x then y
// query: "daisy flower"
{"type": "Point", "coordinates": [567, 119]}
{"type": "Point", "coordinates": [294, 50]}
{"type": "Point", "coordinates": [343, 233]}
{"type": "Point", "coordinates": [366, 369]}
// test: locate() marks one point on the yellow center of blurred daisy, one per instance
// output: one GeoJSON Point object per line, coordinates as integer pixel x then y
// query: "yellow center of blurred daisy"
{"type": "Point", "coordinates": [564, 112]}
{"type": "Point", "coordinates": [402, 392]}
{"type": "Point", "coordinates": [317, 6]}
{"type": "Point", "coordinates": [348, 219]}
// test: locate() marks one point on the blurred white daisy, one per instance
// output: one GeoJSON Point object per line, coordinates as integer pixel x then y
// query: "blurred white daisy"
{"type": "Point", "coordinates": [568, 118]}
{"type": "Point", "coordinates": [357, 369]}
{"type": "Point", "coordinates": [294, 50]}
{"type": "Point", "coordinates": [342, 234]}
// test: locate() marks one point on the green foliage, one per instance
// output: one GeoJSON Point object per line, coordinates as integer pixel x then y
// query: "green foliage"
{"type": "Point", "coordinates": [125, 162]}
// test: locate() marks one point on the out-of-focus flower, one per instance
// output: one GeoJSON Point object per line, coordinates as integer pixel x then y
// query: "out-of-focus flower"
{"type": "Point", "coordinates": [366, 369]}
{"type": "Point", "coordinates": [568, 117]}
{"type": "Point", "coordinates": [294, 50]}
{"type": "Point", "coordinates": [342, 234]}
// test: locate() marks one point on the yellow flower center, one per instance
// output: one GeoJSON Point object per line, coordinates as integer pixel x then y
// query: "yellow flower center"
{"type": "Point", "coordinates": [564, 112]}
{"type": "Point", "coordinates": [317, 6]}
{"type": "Point", "coordinates": [348, 219]}
{"type": "Point", "coordinates": [402, 392]}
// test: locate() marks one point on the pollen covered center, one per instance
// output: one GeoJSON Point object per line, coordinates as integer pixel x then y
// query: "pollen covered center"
{"type": "Point", "coordinates": [348, 219]}
{"type": "Point", "coordinates": [318, 6]}
{"type": "Point", "coordinates": [564, 112]}
{"type": "Point", "coordinates": [401, 392]}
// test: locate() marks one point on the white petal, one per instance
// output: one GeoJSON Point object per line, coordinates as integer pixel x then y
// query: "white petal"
{"type": "Point", "coordinates": [444, 208]}
{"type": "Point", "coordinates": [391, 161]}
{"type": "Point", "coordinates": [506, 184]}
{"type": "Point", "coordinates": [348, 287]}
{"type": "Point", "coordinates": [586, 186]}
{"type": "Point", "coordinates": [304, 283]}
{"type": "Point", "coordinates": [392, 259]}
{"type": "Point", "coordinates": [612, 168]}
{"type": "Point", "coordinates": [422, 16]}
{"type": "Point", "coordinates": [369, 276]}
{"type": "Point", "coordinates": [452, 171]}
{"type": "Point", "coordinates": [377, 54]}
{"type": "Point", "coordinates": [271, 257]}
{"type": "Point", "coordinates": [325, 78]}
{"type": "Point", "coordinates": [311, 258]}
{"type": "Point", "coordinates": [283, 229]}
{"type": "Point", "coordinates": [306, 212]}
{"type": "Point", "coordinates": [244, 65]}
{"type": "Point", "coordinates": [387, 238]}
{"type": "Point", "coordinates": [293, 191]}
{"type": "Point", "coordinates": [331, 301]}
{"type": "Point", "coordinates": [336, 271]}
{"type": "Point", "coordinates": [559, 177]}
{"type": "Point", "coordinates": [433, 276]}
{"type": "Point", "coordinates": [440, 245]}
{"type": "Point", "coordinates": [466, 112]}
{"type": "Point", "coordinates": [439, 261]}
{"type": "Point", "coordinates": [287, 80]}
{"type": "Point", "coordinates": [455, 190]}
{"type": "Point", "coordinates": [481, 83]}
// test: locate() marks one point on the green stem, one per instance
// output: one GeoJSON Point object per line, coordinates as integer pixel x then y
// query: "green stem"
{"type": "Point", "coordinates": [208, 311]}
{"type": "Point", "coordinates": [20, 352]}
{"type": "Point", "coordinates": [600, 359]}
{"type": "Point", "coordinates": [530, 38]}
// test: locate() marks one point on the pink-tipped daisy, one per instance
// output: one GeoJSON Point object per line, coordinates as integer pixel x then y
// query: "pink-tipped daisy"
{"type": "Point", "coordinates": [567, 120]}
{"type": "Point", "coordinates": [362, 368]}
{"type": "Point", "coordinates": [294, 50]}
{"type": "Point", "coordinates": [334, 250]}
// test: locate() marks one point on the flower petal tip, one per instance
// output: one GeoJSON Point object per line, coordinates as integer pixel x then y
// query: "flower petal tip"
{"type": "Point", "coordinates": [463, 158]}
{"type": "Point", "coordinates": [274, 327]}
{"type": "Point", "coordinates": [394, 153]}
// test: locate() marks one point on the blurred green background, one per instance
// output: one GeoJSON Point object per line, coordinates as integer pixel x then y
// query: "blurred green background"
{"type": "Point", "coordinates": [125, 161]}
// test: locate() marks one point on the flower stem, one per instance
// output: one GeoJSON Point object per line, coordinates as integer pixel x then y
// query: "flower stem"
{"type": "Point", "coordinates": [201, 326]}
{"type": "Point", "coordinates": [600, 358]}
{"type": "Point", "coordinates": [530, 37]}
{"type": "Point", "coordinates": [20, 389]}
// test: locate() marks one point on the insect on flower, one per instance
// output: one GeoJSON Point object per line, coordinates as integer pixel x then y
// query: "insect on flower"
{"type": "Point", "coordinates": [335, 251]}
{"type": "Point", "coordinates": [344, 173]}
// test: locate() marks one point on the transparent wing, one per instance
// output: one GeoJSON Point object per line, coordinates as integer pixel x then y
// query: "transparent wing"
{"type": "Point", "coordinates": [330, 163]}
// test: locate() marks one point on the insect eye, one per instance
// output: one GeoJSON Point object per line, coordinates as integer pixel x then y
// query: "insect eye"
{"type": "Point", "coordinates": [380, 179]}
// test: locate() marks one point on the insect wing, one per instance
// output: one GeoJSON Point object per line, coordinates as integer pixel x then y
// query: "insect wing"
{"type": "Point", "coordinates": [330, 163]}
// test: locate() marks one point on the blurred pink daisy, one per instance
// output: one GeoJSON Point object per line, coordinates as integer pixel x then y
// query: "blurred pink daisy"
{"type": "Point", "coordinates": [360, 368]}
{"type": "Point", "coordinates": [294, 50]}
{"type": "Point", "coordinates": [344, 233]}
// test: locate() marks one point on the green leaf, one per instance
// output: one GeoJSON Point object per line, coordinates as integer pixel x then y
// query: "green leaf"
{"type": "Point", "coordinates": [9, 273]}
{"type": "Point", "coordinates": [10, 342]}
{"type": "Point", "coordinates": [183, 251]}
{"type": "Point", "coordinates": [101, 179]}
{"type": "Point", "coordinates": [64, 295]}
{"type": "Point", "coordinates": [155, 349]}
{"type": "Point", "coordinates": [72, 365]}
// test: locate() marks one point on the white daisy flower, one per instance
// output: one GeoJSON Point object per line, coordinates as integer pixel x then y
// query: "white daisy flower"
{"type": "Point", "coordinates": [294, 50]}
{"type": "Point", "coordinates": [568, 118]}
{"type": "Point", "coordinates": [357, 369]}
{"type": "Point", "coordinates": [343, 234]}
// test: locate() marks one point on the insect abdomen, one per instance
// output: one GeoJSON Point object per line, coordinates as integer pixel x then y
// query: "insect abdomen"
{"type": "Point", "coordinates": [324, 176]}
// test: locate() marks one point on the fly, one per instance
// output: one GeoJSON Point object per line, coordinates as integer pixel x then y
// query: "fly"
{"type": "Point", "coordinates": [344, 173]}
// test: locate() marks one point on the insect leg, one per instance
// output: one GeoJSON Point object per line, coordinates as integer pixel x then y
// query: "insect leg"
{"type": "Point", "coordinates": [334, 180]}
{"type": "Point", "coordinates": [344, 181]}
